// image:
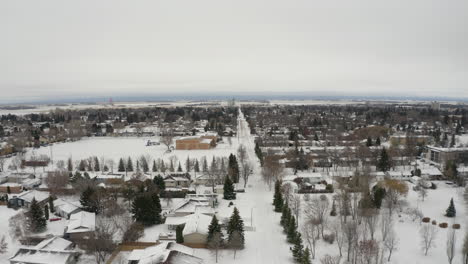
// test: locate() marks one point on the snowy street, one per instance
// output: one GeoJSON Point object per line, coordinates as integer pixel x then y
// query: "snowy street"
{"type": "Point", "coordinates": [267, 244]}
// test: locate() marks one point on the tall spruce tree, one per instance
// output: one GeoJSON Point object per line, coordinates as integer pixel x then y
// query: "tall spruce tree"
{"type": "Point", "coordinates": [179, 168]}
{"type": "Point", "coordinates": [451, 212]}
{"type": "Point", "coordinates": [129, 164]}
{"type": "Point", "coordinates": [298, 248]}
{"type": "Point", "coordinates": [46, 212]}
{"type": "Point", "coordinates": [88, 201]}
{"type": "Point", "coordinates": [155, 167]}
{"type": "Point", "coordinates": [51, 204]}
{"type": "Point", "coordinates": [236, 224]}
{"type": "Point", "coordinates": [228, 188]}
{"type": "Point", "coordinates": [278, 197]}
{"type": "Point", "coordinates": [292, 229]}
{"type": "Point", "coordinates": [121, 165]}
{"type": "Point", "coordinates": [70, 164]}
{"type": "Point", "coordinates": [197, 166]}
{"type": "Point", "coordinates": [383, 163]}
{"type": "Point", "coordinates": [96, 164]}
{"type": "Point", "coordinates": [159, 182]}
{"type": "Point", "coordinates": [146, 209]}
{"type": "Point", "coordinates": [213, 228]}
{"type": "Point", "coordinates": [306, 258]}
{"type": "Point", "coordinates": [35, 216]}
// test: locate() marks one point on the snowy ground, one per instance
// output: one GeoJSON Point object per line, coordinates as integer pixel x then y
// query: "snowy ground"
{"type": "Point", "coordinates": [114, 148]}
{"type": "Point", "coordinates": [409, 245]}
{"type": "Point", "coordinates": [267, 244]}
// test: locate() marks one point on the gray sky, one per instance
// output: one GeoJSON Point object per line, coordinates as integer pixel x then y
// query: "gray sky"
{"type": "Point", "coordinates": [110, 47]}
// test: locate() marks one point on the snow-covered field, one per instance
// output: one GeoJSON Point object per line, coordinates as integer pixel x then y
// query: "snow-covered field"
{"type": "Point", "coordinates": [114, 148]}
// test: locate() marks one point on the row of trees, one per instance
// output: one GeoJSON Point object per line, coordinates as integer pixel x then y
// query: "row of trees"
{"type": "Point", "coordinates": [234, 230]}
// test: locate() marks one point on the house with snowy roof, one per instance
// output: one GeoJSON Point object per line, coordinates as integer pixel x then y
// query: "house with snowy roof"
{"type": "Point", "coordinates": [80, 226]}
{"type": "Point", "coordinates": [65, 209]}
{"type": "Point", "coordinates": [164, 253]}
{"type": "Point", "coordinates": [52, 250]}
{"type": "Point", "coordinates": [25, 199]}
{"type": "Point", "coordinates": [196, 230]}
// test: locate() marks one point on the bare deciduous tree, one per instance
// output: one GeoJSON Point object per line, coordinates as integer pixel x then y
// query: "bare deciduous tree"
{"type": "Point", "coordinates": [271, 170]}
{"type": "Point", "coordinates": [3, 245]}
{"type": "Point", "coordinates": [390, 243]}
{"type": "Point", "coordinates": [428, 234]}
{"type": "Point", "coordinates": [350, 233]}
{"type": "Point", "coordinates": [311, 234]}
{"type": "Point", "coordinates": [167, 137]}
{"type": "Point", "coordinates": [101, 244]}
{"type": "Point", "coordinates": [327, 259]}
{"type": "Point", "coordinates": [57, 181]}
{"type": "Point", "coordinates": [317, 210]}
{"type": "Point", "coordinates": [451, 244]}
{"type": "Point", "coordinates": [465, 249]}
{"type": "Point", "coordinates": [246, 171]}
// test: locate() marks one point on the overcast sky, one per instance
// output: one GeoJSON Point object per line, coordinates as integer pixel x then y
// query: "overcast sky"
{"type": "Point", "coordinates": [109, 48]}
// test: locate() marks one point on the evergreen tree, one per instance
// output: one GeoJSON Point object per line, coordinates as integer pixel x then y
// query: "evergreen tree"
{"type": "Point", "coordinates": [233, 168]}
{"type": "Point", "coordinates": [46, 212]}
{"type": "Point", "coordinates": [96, 164]}
{"type": "Point", "coordinates": [292, 229]}
{"type": "Point", "coordinates": [451, 212]}
{"type": "Point", "coordinates": [121, 165]}
{"type": "Point", "coordinates": [228, 188]}
{"type": "Point", "coordinates": [179, 234]}
{"type": "Point", "coordinates": [159, 182]}
{"type": "Point", "coordinates": [285, 216]}
{"type": "Point", "coordinates": [87, 200]}
{"type": "Point", "coordinates": [213, 228]}
{"type": "Point", "coordinates": [187, 164]}
{"type": "Point", "coordinates": [377, 141]}
{"type": "Point", "coordinates": [298, 248]}
{"type": "Point", "coordinates": [179, 168]}
{"type": "Point", "coordinates": [306, 258]}
{"type": "Point", "coordinates": [146, 209]}
{"type": "Point", "coordinates": [452, 141]}
{"type": "Point", "coordinates": [369, 142]}
{"type": "Point", "coordinates": [205, 165]}
{"type": "Point", "coordinates": [70, 164]}
{"type": "Point", "coordinates": [155, 168]}
{"type": "Point", "coordinates": [51, 204]}
{"type": "Point", "coordinates": [197, 166]}
{"type": "Point", "coordinates": [278, 197]}
{"type": "Point", "coordinates": [35, 215]}
{"type": "Point", "coordinates": [82, 165]}
{"type": "Point", "coordinates": [163, 167]}
{"type": "Point", "coordinates": [144, 165]}
{"type": "Point", "coordinates": [383, 163]}
{"type": "Point", "coordinates": [171, 168]}
{"type": "Point", "coordinates": [333, 210]}
{"type": "Point", "coordinates": [8, 189]}
{"type": "Point", "coordinates": [316, 138]}
{"type": "Point", "coordinates": [259, 153]}
{"type": "Point", "coordinates": [129, 164]}
{"type": "Point", "coordinates": [378, 196]}
{"type": "Point", "coordinates": [236, 224]}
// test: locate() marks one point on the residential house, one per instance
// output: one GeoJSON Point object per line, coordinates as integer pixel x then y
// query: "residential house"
{"type": "Point", "coordinates": [65, 209]}
{"type": "Point", "coordinates": [80, 226]}
{"type": "Point", "coordinates": [164, 253]}
{"type": "Point", "coordinates": [25, 199]}
{"type": "Point", "coordinates": [53, 250]}
{"type": "Point", "coordinates": [196, 230]}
